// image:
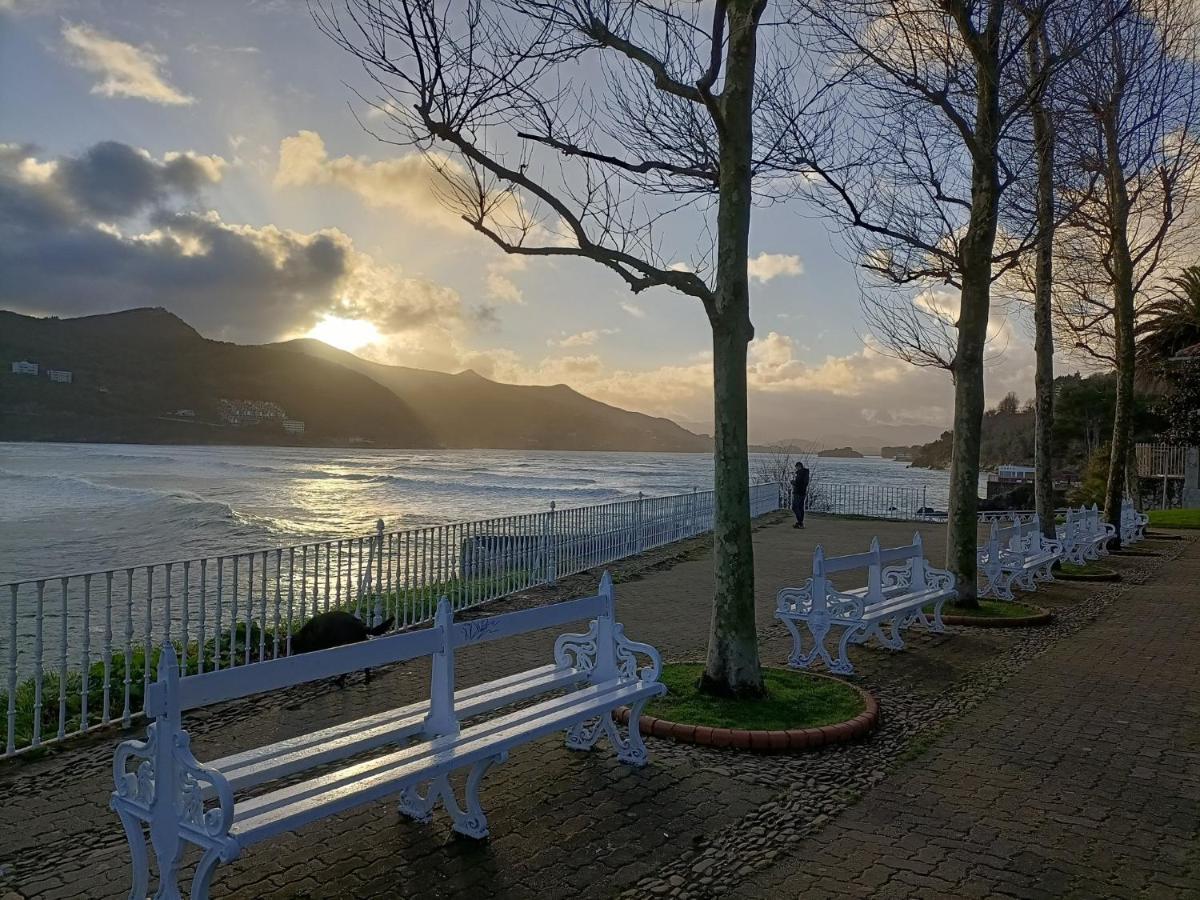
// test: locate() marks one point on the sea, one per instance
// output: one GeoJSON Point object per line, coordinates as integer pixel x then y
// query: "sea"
{"type": "Point", "coordinates": [68, 508]}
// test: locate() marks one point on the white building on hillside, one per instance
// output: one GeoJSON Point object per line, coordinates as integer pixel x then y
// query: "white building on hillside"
{"type": "Point", "coordinates": [293, 426]}
{"type": "Point", "coordinates": [60, 375]}
{"type": "Point", "coordinates": [24, 367]}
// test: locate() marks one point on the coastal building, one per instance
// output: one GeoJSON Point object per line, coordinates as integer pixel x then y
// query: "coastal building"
{"type": "Point", "coordinates": [184, 413]}
{"type": "Point", "coordinates": [62, 376]}
{"type": "Point", "coordinates": [250, 412]}
{"type": "Point", "coordinates": [24, 367]}
{"type": "Point", "coordinates": [293, 426]}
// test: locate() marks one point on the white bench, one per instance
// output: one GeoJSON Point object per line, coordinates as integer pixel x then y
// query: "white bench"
{"type": "Point", "coordinates": [1133, 523]}
{"type": "Point", "coordinates": [1074, 537]}
{"type": "Point", "coordinates": [1095, 532]}
{"type": "Point", "coordinates": [900, 583]}
{"type": "Point", "coordinates": [183, 801]}
{"type": "Point", "coordinates": [1018, 554]}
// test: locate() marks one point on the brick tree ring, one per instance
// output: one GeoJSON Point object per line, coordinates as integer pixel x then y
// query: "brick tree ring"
{"type": "Point", "coordinates": [762, 740]}
{"type": "Point", "coordinates": [1041, 616]}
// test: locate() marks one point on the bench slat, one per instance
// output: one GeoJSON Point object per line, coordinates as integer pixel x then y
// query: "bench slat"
{"type": "Point", "coordinates": [391, 727]}
{"type": "Point", "coordinates": [492, 628]}
{"type": "Point", "coordinates": [362, 769]}
{"type": "Point", "coordinates": [291, 807]}
{"type": "Point", "coordinates": [244, 681]}
{"type": "Point", "coordinates": [289, 745]}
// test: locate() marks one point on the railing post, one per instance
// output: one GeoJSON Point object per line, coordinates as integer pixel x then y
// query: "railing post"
{"type": "Point", "coordinates": [641, 523]}
{"type": "Point", "coordinates": [551, 555]}
{"type": "Point", "coordinates": [378, 614]}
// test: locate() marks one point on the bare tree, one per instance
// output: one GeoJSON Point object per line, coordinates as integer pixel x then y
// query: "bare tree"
{"type": "Point", "coordinates": [778, 464]}
{"type": "Point", "coordinates": [931, 134]}
{"type": "Point", "coordinates": [1039, 54]}
{"type": "Point", "coordinates": [577, 128]}
{"type": "Point", "coordinates": [1057, 34]}
{"type": "Point", "coordinates": [1136, 101]}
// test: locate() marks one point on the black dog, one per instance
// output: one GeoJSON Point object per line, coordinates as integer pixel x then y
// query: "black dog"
{"type": "Point", "coordinates": [334, 629]}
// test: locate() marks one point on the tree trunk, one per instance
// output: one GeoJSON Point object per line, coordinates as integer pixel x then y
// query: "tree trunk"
{"type": "Point", "coordinates": [1043, 342]}
{"type": "Point", "coordinates": [732, 667]}
{"type": "Point", "coordinates": [962, 520]}
{"type": "Point", "coordinates": [1121, 263]}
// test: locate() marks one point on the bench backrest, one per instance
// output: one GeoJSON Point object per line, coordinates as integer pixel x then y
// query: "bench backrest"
{"type": "Point", "coordinates": [874, 561]}
{"type": "Point", "coordinates": [236, 682]}
{"type": "Point", "coordinates": [171, 695]}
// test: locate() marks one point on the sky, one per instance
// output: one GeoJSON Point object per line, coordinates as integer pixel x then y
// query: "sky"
{"type": "Point", "coordinates": [211, 158]}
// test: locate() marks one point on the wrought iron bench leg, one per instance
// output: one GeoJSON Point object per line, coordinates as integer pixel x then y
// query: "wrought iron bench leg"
{"type": "Point", "coordinates": [470, 822]}
{"type": "Point", "coordinates": [202, 879]}
{"type": "Point", "coordinates": [138, 854]}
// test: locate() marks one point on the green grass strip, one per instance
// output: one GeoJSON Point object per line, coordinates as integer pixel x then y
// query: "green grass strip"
{"type": "Point", "coordinates": [989, 609]}
{"type": "Point", "coordinates": [794, 700]}
{"type": "Point", "coordinates": [1175, 518]}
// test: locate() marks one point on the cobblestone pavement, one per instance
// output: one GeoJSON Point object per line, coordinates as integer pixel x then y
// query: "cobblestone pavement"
{"type": "Point", "coordinates": [1066, 752]}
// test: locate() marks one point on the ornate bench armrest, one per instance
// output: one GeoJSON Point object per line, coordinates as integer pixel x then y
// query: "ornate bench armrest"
{"type": "Point", "coordinates": [195, 780]}
{"type": "Point", "coordinates": [899, 576]}
{"type": "Point", "coordinates": [627, 651]}
{"type": "Point", "coordinates": [136, 787]}
{"type": "Point", "coordinates": [845, 606]}
{"type": "Point", "coordinates": [798, 597]}
{"type": "Point", "coordinates": [577, 651]}
{"type": "Point", "coordinates": [940, 579]}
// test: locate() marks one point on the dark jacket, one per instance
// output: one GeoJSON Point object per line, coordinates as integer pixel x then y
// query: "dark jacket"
{"type": "Point", "coordinates": [799, 486]}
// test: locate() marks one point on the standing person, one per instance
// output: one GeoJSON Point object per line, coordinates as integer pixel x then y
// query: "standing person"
{"type": "Point", "coordinates": [799, 493]}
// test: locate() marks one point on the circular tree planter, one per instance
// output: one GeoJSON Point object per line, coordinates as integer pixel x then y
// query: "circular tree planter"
{"type": "Point", "coordinates": [1037, 616]}
{"type": "Point", "coordinates": [766, 740]}
{"type": "Point", "coordinates": [1090, 573]}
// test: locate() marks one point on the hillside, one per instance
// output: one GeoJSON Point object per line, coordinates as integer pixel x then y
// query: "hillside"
{"type": "Point", "coordinates": [468, 410]}
{"type": "Point", "coordinates": [1082, 426]}
{"type": "Point", "coordinates": [144, 375]}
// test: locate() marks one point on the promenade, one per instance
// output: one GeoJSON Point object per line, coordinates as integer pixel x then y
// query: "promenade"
{"type": "Point", "coordinates": [1057, 761]}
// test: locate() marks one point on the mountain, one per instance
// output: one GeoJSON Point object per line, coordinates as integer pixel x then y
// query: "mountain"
{"type": "Point", "coordinates": [468, 410]}
{"type": "Point", "coordinates": [144, 375]}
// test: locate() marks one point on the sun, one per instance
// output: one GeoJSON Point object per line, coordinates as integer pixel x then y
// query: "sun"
{"type": "Point", "coordinates": [345, 334]}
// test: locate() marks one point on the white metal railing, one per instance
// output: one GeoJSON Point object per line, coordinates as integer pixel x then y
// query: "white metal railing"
{"type": "Point", "coordinates": [876, 501]}
{"type": "Point", "coordinates": [1161, 460]}
{"type": "Point", "coordinates": [76, 645]}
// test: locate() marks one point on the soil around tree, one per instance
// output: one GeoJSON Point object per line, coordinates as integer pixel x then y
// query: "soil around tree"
{"type": "Point", "coordinates": [1089, 572]}
{"type": "Point", "coordinates": [995, 614]}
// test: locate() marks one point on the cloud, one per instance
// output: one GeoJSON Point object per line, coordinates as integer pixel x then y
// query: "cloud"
{"type": "Point", "coordinates": [634, 310]}
{"type": "Point", "coordinates": [72, 242]}
{"type": "Point", "coordinates": [409, 182]}
{"type": "Point", "coordinates": [766, 266]}
{"type": "Point", "coordinates": [209, 49]}
{"type": "Point", "coordinates": [112, 179]}
{"type": "Point", "coordinates": [581, 339]}
{"type": "Point", "coordinates": [501, 288]}
{"type": "Point", "coordinates": [125, 70]}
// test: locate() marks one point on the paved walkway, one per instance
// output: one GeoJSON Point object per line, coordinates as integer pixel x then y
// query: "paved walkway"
{"type": "Point", "coordinates": [1079, 778]}
{"type": "Point", "coordinates": [1070, 764]}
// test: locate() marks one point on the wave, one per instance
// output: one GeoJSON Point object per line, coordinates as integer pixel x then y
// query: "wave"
{"type": "Point", "coordinates": [51, 493]}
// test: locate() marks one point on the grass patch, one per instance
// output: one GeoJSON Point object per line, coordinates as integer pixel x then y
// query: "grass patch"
{"type": "Point", "coordinates": [1175, 518]}
{"type": "Point", "coordinates": [989, 609]}
{"type": "Point", "coordinates": [793, 700]}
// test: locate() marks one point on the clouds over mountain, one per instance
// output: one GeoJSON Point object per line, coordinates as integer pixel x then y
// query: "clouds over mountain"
{"type": "Point", "coordinates": [114, 228]}
{"type": "Point", "coordinates": [408, 182]}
